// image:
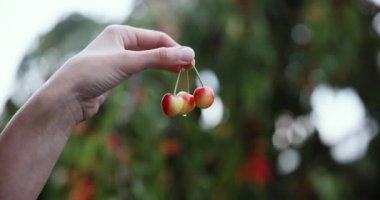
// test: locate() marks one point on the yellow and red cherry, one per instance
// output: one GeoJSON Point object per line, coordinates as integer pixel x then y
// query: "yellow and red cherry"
{"type": "Point", "coordinates": [188, 102]}
{"type": "Point", "coordinates": [171, 104]}
{"type": "Point", "coordinates": [204, 97]}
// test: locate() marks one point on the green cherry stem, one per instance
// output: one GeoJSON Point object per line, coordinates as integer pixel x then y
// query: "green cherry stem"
{"type": "Point", "coordinates": [188, 83]}
{"type": "Point", "coordinates": [199, 77]}
{"type": "Point", "coordinates": [176, 83]}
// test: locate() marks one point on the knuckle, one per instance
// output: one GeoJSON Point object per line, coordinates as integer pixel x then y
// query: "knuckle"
{"type": "Point", "coordinates": [163, 36]}
{"type": "Point", "coordinates": [112, 29]}
{"type": "Point", "coordinates": [163, 54]}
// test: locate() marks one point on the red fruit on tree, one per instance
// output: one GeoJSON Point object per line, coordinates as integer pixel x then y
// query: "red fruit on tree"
{"type": "Point", "coordinates": [170, 147]}
{"type": "Point", "coordinates": [171, 105]}
{"type": "Point", "coordinates": [188, 102]}
{"type": "Point", "coordinates": [204, 97]}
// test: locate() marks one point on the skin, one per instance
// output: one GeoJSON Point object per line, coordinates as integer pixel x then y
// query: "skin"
{"type": "Point", "coordinates": [34, 138]}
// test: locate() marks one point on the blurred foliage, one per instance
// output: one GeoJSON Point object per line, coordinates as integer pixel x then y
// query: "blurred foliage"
{"type": "Point", "coordinates": [130, 150]}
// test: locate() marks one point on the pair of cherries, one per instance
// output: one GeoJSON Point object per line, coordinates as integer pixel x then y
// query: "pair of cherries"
{"type": "Point", "coordinates": [183, 103]}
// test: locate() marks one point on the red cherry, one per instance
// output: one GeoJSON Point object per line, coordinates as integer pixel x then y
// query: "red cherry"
{"type": "Point", "coordinates": [204, 97]}
{"type": "Point", "coordinates": [188, 102]}
{"type": "Point", "coordinates": [171, 105]}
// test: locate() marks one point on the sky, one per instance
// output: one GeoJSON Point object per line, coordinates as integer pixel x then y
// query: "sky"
{"type": "Point", "coordinates": [22, 21]}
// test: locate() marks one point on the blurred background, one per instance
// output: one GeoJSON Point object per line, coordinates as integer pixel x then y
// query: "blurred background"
{"type": "Point", "coordinates": [295, 116]}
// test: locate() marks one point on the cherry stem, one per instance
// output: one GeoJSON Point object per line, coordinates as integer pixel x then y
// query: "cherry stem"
{"type": "Point", "coordinates": [199, 77]}
{"type": "Point", "coordinates": [188, 83]}
{"type": "Point", "coordinates": [176, 83]}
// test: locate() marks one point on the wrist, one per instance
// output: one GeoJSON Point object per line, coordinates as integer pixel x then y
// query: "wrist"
{"type": "Point", "coordinates": [61, 102]}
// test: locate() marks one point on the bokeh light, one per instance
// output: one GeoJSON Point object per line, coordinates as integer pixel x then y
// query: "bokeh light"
{"type": "Point", "coordinates": [342, 123]}
{"type": "Point", "coordinates": [288, 160]}
{"type": "Point", "coordinates": [301, 34]}
{"type": "Point", "coordinates": [213, 115]}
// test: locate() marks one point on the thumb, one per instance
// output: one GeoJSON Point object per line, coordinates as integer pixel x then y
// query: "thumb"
{"type": "Point", "coordinates": [167, 58]}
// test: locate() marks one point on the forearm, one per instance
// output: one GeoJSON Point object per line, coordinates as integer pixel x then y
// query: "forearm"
{"type": "Point", "coordinates": [31, 144]}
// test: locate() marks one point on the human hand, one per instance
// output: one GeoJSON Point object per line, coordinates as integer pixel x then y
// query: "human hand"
{"type": "Point", "coordinates": [118, 52]}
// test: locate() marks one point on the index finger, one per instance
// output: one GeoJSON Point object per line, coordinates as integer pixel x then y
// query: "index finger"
{"type": "Point", "coordinates": [144, 39]}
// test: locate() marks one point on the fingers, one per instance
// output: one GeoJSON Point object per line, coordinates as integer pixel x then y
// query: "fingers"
{"type": "Point", "coordinates": [167, 58]}
{"type": "Point", "coordinates": [142, 39]}
{"type": "Point", "coordinates": [102, 98]}
{"type": "Point", "coordinates": [155, 50]}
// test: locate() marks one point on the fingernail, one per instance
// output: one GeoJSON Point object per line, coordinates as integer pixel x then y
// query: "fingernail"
{"type": "Point", "coordinates": [187, 54]}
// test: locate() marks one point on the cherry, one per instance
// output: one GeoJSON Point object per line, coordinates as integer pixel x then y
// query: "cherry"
{"type": "Point", "coordinates": [183, 103]}
{"type": "Point", "coordinates": [188, 102]}
{"type": "Point", "coordinates": [171, 104]}
{"type": "Point", "coordinates": [204, 97]}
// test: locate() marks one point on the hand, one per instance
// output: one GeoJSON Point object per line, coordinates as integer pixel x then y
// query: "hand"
{"type": "Point", "coordinates": [117, 53]}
